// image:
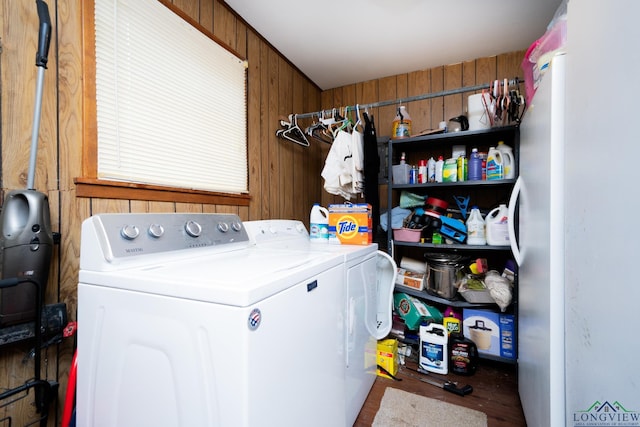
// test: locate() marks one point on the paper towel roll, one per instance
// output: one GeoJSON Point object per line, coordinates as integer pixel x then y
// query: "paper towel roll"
{"type": "Point", "coordinates": [413, 265]}
{"type": "Point", "coordinates": [476, 113]}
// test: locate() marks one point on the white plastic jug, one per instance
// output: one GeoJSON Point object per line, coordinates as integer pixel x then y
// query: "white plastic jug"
{"type": "Point", "coordinates": [494, 164]}
{"type": "Point", "coordinates": [476, 228]}
{"type": "Point", "coordinates": [497, 226]}
{"type": "Point", "coordinates": [319, 224]}
{"type": "Point", "coordinates": [508, 161]}
{"type": "Point", "coordinates": [434, 354]}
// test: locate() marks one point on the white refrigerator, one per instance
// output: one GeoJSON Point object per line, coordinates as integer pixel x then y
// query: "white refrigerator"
{"type": "Point", "coordinates": [578, 209]}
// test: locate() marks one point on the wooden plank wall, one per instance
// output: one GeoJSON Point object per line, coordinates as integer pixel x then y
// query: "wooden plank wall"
{"type": "Point", "coordinates": [284, 178]}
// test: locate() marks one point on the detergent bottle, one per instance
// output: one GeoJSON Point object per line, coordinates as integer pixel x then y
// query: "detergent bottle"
{"type": "Point", "coordinates": [475, 166]}
{"type": "Point", "coordinates": [508, 162]}
{"type": "Point", "coordinates": [497, 226]}
{"type": "Point", "coordinates": [319, 224]}
{"type": "Point", "coordinates": [476, 228]}
{"type": "Point", "coordinates": [494, 164]}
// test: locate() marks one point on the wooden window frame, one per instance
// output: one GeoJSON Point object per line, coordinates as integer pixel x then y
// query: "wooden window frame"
{"type": "Point", "coordinates": [88, 185]}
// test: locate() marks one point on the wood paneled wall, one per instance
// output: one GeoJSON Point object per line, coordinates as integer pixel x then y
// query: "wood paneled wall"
{"type": "Point", "coordinates": [284, 178]}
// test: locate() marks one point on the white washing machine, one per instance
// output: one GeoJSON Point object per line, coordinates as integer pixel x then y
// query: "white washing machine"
{"type": "Point", "coordinates": [183, 321]}
{"type": "Point", "coordinates": [368, 281]}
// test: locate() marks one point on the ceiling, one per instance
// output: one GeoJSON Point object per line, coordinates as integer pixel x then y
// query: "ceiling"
{"type": "Point", "coordinates": [340, 42]}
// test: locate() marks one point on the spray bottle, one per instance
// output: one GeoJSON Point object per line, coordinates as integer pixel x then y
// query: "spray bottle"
{"type": "Point", "coordinates": [401, 127]}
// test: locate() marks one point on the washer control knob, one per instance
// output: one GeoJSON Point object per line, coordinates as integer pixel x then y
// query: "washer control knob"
{"type": "Point", "coordinates": [236, 226]}
{"type": "Point", "coordinates": [300, 228]}
{"type": "Point", "coordinates": [192, 228]}
{"type": "Point", "coordinates": [156, 230]}
{"type": "Point", "coordinates": [223, 227]}
{"type": "Point", "coordinates": [129, 232]}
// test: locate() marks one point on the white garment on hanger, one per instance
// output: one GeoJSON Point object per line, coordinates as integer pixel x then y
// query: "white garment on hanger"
{"type": "Point", "coordinates": [357, 165]}
{"type": "Point", "coordinates": [338, 166]}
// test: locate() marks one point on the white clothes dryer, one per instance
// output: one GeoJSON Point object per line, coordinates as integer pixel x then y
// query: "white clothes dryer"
{"type": "Point", "coordinates": [368, 282]}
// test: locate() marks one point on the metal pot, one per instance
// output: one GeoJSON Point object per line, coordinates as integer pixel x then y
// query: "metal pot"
{"type": "Point", "coordinates": [444, 273]}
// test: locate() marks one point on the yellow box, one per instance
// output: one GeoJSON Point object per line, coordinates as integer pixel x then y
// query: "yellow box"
{"type": "Point", "coordinates": [350, 224]}
{"type": "Point", "coordinates": [387, 357]}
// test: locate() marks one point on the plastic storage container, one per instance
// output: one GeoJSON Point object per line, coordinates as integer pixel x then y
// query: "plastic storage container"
{"type": "Point", "coordinates": [319, 224]}
{"type": "Point", "coordinates": [407, 234]}
{"type": "Point", "coordinates": [476, 111]}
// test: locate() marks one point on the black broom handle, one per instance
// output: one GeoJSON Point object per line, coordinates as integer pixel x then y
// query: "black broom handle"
{"type": "Point", "coordinates": [44, 38]}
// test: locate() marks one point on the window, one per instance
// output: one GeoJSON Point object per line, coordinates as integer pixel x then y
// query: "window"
{"type": "Point", "coordinates": [170, 102]}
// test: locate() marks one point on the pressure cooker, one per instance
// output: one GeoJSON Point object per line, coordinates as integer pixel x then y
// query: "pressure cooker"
{"type": "Point", "coordinates": [444, 273]}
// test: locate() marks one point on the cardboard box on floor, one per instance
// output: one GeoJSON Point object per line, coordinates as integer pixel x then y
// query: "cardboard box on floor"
{"type": "Point", "coordinates": [387, 357]}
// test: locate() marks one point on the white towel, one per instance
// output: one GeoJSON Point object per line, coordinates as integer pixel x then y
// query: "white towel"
{"type": "Point", "coordinates": [338, 167]}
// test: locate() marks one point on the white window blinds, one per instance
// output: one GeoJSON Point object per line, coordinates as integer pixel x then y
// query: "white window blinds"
{"type": "Point", "coordinates": [171, 102]}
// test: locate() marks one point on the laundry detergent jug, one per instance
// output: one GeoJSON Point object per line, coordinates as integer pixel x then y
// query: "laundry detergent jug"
{"type": "Point", "coordinates": [508, 161]}
{"type": "Point", "coordinates": [495, 169]}
{"type": "Point", "coordinates": [497, 226]}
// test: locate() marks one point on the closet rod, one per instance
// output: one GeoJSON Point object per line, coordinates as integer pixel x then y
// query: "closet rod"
{"type": "Point", "coordinates": [512, 82]}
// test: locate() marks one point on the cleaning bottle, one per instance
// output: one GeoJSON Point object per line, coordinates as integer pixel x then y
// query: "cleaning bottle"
{"type": "Point", "coordinates": [475, 166]}
{"type": "Point", "coordinates": [508, 162]}
{"type": "Point", "coordinates": [497, 226]}
{"type": "Point", "coordinates": [476, 228]}
{"type": "Point", "coordinates": [462, 165]}
{"type": "Point", "coordinates": [439, 168]}
{"type": "Point", "coordinates": [434, 355]}
{"type": "Point", "coordinates": [451, 321]}
{"type": "Point", "coordinates": [494, 164]}
{"type": "Point", "coordinates": [422, 172]}
{"type": "Point", "coordinates": [401, 127]}
{"type": "Point", "coordinates": [431, 170]}
{"type": "Point", "coordinates": [319, 224]}
{"type": "Point", "coordinates": [463, 354]}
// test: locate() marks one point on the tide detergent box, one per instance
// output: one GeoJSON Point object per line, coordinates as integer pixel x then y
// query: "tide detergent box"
{"type": "Point", "coordinates": [350, 224]}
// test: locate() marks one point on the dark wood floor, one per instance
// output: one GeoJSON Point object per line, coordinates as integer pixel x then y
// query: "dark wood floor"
{"type": "Point", "coordinates": [495, 392]}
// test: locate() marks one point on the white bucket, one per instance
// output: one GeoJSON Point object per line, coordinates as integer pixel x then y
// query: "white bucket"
{"type": "Point", "coordinates": [476, 112]}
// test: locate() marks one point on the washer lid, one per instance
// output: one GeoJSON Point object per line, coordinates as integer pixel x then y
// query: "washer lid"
{"type": "Point", "coordinates": [239, 278]}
